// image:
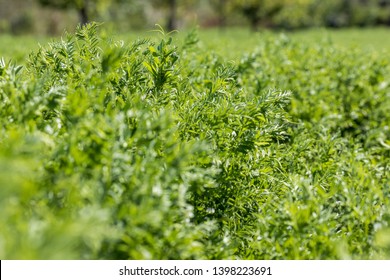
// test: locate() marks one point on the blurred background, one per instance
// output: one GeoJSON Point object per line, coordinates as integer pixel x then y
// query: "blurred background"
{"type": "Point", "coordinates": [52, 17]}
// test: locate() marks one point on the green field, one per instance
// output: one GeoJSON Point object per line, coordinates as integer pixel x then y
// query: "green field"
{"type": "Point", "coordinates": [234, 40]}
{"type": "Point", "coordinates": [205, 145]}
{"type": "Point", "coordinates": [368, 39]}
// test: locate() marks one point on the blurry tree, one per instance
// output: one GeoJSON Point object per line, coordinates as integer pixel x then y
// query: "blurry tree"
{"type": "Point", "coordinates": [17, 16]}
{"type": "Point", "coordinates": [384, 12]}
{"type": "Point", "coordinates": [222, 8]}
{"type": "Point", "coordinates": [293, 14]}
{"type": "Point", "coordinates": [80, 5]}
{"type": "Point", "coordinates": [85, 8]}
{"type": "Point", "coordinates": [343, 13]}
{"type": "Point", "coordinates": [171, 25]}
{"type": "Point", "coordinates": [259, 11]}
{"type": "Point", "coordinates": [23, 16]}
{"type": "Point", "coordinates": [370, 12]}
{"type": "Point", "coordinates": [172, 8]}
{"type": "Point", "coordinates": [128, 14]}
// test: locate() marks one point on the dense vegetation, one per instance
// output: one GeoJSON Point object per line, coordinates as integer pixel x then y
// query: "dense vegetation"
{"type": "Point", "coordinates": [166, 150]}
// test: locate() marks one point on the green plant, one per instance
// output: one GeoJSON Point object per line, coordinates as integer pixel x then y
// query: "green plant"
{"type": "Point", "coordinates": [165, 150]}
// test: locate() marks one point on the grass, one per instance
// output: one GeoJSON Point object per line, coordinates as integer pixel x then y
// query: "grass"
{"type": "Point", "coordinates": [367, 39]}
{"type": "Point", "coordinates": [234, 40]}
{"type": "Point", "coordinates": [17, 48]}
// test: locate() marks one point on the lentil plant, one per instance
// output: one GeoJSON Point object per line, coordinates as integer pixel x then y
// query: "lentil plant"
{"type": "Point", "coordinates": [164, 150]}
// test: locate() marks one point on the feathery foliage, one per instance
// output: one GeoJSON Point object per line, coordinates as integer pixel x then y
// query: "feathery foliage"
{"type": "Point", "coordinates": [164, 150]}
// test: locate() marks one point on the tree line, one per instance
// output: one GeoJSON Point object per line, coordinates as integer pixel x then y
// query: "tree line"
{"type": "Point", "coordinates": [174, 14]}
